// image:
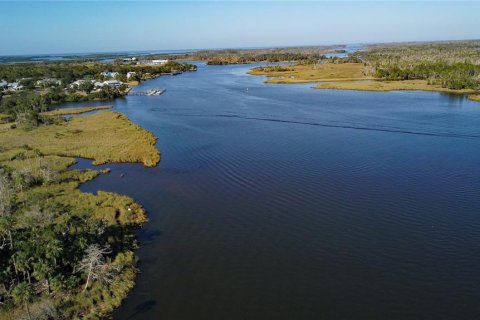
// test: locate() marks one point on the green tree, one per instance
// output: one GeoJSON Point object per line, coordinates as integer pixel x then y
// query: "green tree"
{"type": "Point", "coordinates": [42, 271]}
{"type": "Point", "coordinates": [23, 293]}
{"type": "Point", "coordinates": [86, 86]}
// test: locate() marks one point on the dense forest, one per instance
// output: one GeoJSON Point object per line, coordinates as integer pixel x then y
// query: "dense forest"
{"type": "Point", "coordinates": [454, 65]}
{"type": "Point", "coordinates": [265, 57]}
{"type": "Point", "coordinates": [48, 248]}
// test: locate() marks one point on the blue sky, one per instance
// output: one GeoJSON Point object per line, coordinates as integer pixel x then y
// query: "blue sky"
{"type": "Point", "coordinates": [94, 26]}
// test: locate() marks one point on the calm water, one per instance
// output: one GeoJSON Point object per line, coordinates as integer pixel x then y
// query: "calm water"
{"type": "Point", "coordinates": [284, 202]}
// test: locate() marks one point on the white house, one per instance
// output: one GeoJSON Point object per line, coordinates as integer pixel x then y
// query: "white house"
{"type": "Point", "coordinates": [14, 86]}
{"type": "Point", "coordinates": [131, 74]}
{"type": "Point", "coordinates": [80, 82]}
{"type": "Point", "coordinates": [109, 74]}
{"type": "Point", "coordinates": [113, 83]}
{"type": "Point", "coordinates": [159, 62]}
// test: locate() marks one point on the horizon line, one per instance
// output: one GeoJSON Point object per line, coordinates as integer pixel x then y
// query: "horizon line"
{"type": "Point", "coordinates": [190, 50]}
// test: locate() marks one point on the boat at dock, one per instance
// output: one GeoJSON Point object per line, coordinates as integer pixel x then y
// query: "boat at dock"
{"type": "Point", "coordinates": [155, 92]}
{"type": "Point", "coordinates": [151, 92]}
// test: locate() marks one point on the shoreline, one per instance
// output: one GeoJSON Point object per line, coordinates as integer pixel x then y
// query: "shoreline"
{"type": "Point", "coordinates": [102, 137]}
{"type": "Point", "coordinates": [348, 76]}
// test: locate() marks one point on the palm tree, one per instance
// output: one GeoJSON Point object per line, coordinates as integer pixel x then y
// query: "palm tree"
{"type": "Point", "coordinates": [42, 271]}
{"type": "Point", "coordinates": [22, 293]}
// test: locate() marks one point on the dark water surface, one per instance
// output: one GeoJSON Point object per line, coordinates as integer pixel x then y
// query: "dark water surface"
{"type": "Point", "coordinates": [284, 202]}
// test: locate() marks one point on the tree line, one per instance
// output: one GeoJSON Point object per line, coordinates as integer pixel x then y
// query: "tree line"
{"type": "Point", "coordinates": [69, 71]}
{"type": "Point", "coordinates": [454, 65]}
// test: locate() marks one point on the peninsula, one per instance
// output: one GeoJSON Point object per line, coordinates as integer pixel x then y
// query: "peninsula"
{"type": "Point", "coordinates": [450, 67]}
{"type": "Point", "coordinates": [67, 250]}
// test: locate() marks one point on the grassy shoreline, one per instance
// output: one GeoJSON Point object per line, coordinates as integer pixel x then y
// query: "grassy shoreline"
{"type": "Point", "coordinates": [35, 163]}
{"type": "Point", "coordinates": [104, 137]}
{"type": "Point", "coordinates": [306, 73]}
{"type": "Point", "coordinates": [348, 76]}
{"type": "Point", "coordinates": [73, 111]}
{"type": "Point", "coordinates": [474, 97]}
{"type": "Point", "coordinates": [385, 85]}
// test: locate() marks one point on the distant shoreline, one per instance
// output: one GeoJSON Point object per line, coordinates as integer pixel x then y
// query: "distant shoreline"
{"type": "Point", "coordinates": [447, 67]}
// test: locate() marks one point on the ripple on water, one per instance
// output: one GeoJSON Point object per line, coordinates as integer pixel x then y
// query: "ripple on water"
{"type": "Point", "coordinates": [292, 203]}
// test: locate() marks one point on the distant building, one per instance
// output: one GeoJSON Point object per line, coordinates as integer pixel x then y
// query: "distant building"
{"type": "Point", "coordinates": [159, 62]}
{"type": "Point", "coordinates": [49, 81]}
{"type": "Point", "coordinates": [3, 84]}
{"type": "Point", "coordinates": [14, 86]}
{"type": "Point", "coordinates": [131, 74]}
{"type": "Point", "coordinates": [113, 83]}
{"type": "Point", "coordinates": [80, 82]}
{"type": "Point", "coordinates": [129, 59]}
{"type": "Point", "coordinates": [109, 74]}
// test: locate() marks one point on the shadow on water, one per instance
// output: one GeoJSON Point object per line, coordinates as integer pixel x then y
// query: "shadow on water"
{"type": "Point", "coordinates": [142, 308]}
{"type": "Point", "coordinates": [149, 236]}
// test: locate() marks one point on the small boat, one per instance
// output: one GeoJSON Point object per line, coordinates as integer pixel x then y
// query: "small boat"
{"type": "Point", "coordinates": [155, 92]}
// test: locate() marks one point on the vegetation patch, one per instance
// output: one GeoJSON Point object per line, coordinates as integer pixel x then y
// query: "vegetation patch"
{"type": "Point", "coordinates": [3, 118]}
{"type": "Point", "coordinates": [474, 97]}
{"type": "Point", "coordinates": [315, 72]}
{"type": "Point", "coordinates": [104, 137]}
{"type": "Point", "coordinates": [71, 111]}
{"type": "Point", "coordinates": [65, 254]}
{"type": "Point", "coordinates": [388, 86]}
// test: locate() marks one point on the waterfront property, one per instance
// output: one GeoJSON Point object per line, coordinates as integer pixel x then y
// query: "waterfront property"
{"type": "Point", "coordinates": [113, 83]}
{"type": "Point", "coordinates": [81, 82]}
{"type": "Point", "coordinates": [98, 84]}
{"type": "Point", "coordinates": [156, 62]}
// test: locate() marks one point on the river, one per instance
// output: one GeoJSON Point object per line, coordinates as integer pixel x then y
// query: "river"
{"type": "Point", "coordinates": [285, 202]}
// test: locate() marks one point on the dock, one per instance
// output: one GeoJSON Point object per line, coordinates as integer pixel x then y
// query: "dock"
{"type": "Point", "coordinates": [151, 92]}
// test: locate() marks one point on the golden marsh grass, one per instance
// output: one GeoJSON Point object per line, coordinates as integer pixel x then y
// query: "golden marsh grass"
{"type": "Point", "coordinates": [313, 73]}
{"type": "Point", "coordinates": [104, 137]}
{"type": "Point", "coordinates": [388, 86]}
{"type": "Point", "coordinates": [347, 76]}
